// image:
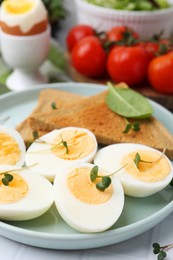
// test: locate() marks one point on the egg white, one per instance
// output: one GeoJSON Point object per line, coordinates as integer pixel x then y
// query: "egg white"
{"type": "Point", "coordinates": [36, 202]}
{"type": "Point", "coordinates": [84, 217]}
{"type": "Point", "coordinates": [19, 140]}
{"type": "Point", "coordinates": [47, 163]}
{"type": "Point", "coordinates": [110, 158]}
{"type": "Point", "coordinates": [25, 20]}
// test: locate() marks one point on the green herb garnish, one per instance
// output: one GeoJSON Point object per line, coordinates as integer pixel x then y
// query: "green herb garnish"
{"type": "Point", "coordinates": [160, 250]}
{"type": "Point", "coordinates": [128, 103]}
{"type": "Point", "coordinates": [64, 143]}
{"type": "Point", "coordinates": [134, 126]}
{"type": "Point", "coordinates": [53, 105]}
{"type": "Point", "coordinates": [54, 146]}
{"type": "Point", "coordinates": [138, 159]}
{"type": "Point", "coordinates": [127, 128]}
{"type": "Point", "coordinates": [35, 135]}
{"type": "Point", "coordinates": [105, 180]}
{"type": "Point", "coordinates": [9, 177]}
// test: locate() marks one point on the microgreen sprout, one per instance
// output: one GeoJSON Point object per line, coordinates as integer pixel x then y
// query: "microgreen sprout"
{"type": "Point", "coordinates": [105, 180]}
{"type": "Point", "coordinates": [35, 135]}
{"type": "Point", "coordinates": [64, 143]}
{"type": "Point", "coordinates": [138, 159]}
{"type": "Point", "coordinates": [66, 146]}
{"type": "Point", "coordinates": [53, 105]}
{"type": "Point", "coordinates": [160, 250]}
{"type": "Point", "coordinates": [134, 126]}
{"type": "Point", "coordinates": [9, 177]}
{"type": "Point", "coordinates": [54, 146]}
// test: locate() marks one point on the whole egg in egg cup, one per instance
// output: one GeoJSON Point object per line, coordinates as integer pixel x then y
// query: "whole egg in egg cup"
{"type": "Point", "coordinates": [12, 147]}
{"type": "Point", "coordinates": [26, 197]}
{"type": "Point", "coordinates": [25, 54]}
{"type": "Point", "coordinates": [82, 205]}
{"type": "Point", "coordinates": [25, 40]}
{"type": "Point", "coordinates": [138, 181]}
{"type": "Point", "coordinates": [61, 148]}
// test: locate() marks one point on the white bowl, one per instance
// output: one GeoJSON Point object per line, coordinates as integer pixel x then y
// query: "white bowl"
{"type": "Point", "coordinates": [146, 23]}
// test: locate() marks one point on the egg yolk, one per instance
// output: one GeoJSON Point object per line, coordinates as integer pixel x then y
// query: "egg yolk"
{"type": "Point", "coordinates": [18, 6]}
{"type": "Point", "coordinates": [9, 150]}
{"type": "Point", "coordinates": [15, 191]}
{"type": "Point", "coordinates": [79, 145]}
{"type": "Point", "coordinates": [83, 189]}
{"type": "Point", "coordinates": [147, 172]}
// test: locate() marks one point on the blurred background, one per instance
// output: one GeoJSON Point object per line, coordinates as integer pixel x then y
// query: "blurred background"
{"type": "Point", "coordinates": [64, 14]}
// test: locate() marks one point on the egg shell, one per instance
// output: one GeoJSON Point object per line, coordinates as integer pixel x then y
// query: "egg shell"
{"type": "Point", "coordinates": [33, 22]}
{"type": "Point", "coordinates": [18, 138]}
{"type": "Point", "coordinates": [88, 218]}
{"type": "Point", "coordinates": [37, 201]}
{"type": "Point", "coordinates": [48, 164]}
{"type": "Point", "coordinates": [110, 158]}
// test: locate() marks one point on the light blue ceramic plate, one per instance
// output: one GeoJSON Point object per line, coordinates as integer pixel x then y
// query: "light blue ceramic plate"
{"type": "Point", "coordinates": [49, 230]}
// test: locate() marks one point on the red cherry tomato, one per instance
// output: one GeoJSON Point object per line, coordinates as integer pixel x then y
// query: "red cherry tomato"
{"type": "Point", "coordinates": [88, 57]}
{"type": "Point", "coordinates": [153, 48]}
{"type": "Point", "coordinates": [160, 71]}
{"type": "Point", "coordinates": [127, 64]}
{"type": "Point", "coordinates": [77, 33]}
{"type": "Point", "coordinates": [121, 33]}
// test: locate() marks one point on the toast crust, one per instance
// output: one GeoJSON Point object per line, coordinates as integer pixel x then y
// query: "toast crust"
{"type": "Point", "coordinates": [44, 105]}
{"type": "Point", "coordinates": [93, 113]}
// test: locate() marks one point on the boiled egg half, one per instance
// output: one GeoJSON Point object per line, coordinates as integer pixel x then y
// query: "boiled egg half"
{"type": "Point", "coordinates": [82, 205]}
{"type": "Point", "coordinates": [153, 173]}
{"type": "Point", "coordinates": [61, 148]}
{"type": "Point", "coordinates": [12, 147]}
{"type": "Point", "coordinates": [26, 196]}
{"type": "Point", "coordinates": [23, 17]}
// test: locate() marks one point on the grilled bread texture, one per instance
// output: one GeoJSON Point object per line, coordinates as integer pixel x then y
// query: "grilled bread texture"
{"type": "Point", "coordinates": [94, 114]}
{"type": "Point", "coordinates": [46, 100]}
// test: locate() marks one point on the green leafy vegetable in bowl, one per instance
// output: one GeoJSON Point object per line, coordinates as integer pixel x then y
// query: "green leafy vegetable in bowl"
{"type": "Point", "coordinates": [132, 5]}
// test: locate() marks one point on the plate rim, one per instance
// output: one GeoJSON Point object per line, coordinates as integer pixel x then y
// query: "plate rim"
{"type": "Point", "coordinates": [159, 215]}
{"type": "Point", "coordinates": [71, 84]}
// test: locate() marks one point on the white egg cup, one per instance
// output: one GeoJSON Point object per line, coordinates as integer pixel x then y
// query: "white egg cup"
{"type": "Point", "coordinates": [25, 54]}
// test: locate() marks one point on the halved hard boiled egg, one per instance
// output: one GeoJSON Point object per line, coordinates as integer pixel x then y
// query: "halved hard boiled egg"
{"type": "Point", "coordinates": [12, 147]}
{"type": "Point", "coordinates": [82, 205]}
{"type": "Point", "coordinates": [146, 171]}
{"type": "Point", "coordinates": [26, 196]}
{"type": "Point", "coordinates": [23, 17]}
{"type": "Point", "coordinates": [61, 148]}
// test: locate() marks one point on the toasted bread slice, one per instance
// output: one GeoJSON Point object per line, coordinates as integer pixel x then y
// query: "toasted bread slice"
{"type": "Point", "coordinates": [27, 131]}
{"type": "Point", "coordinates": [93, 113]}
{"type": "Point", "coordinates": [58, 97]}
{"type": "Point", "coordinates": [61, 99]}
